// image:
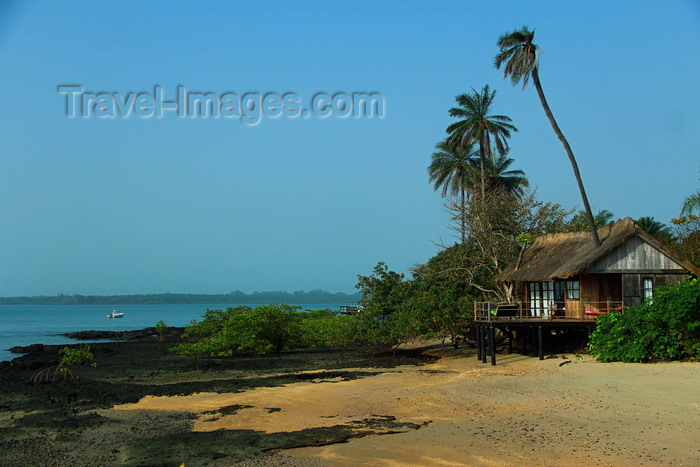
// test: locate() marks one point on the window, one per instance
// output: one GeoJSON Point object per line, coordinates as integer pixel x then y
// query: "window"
{"type": "Point", "coordinates": [548, 294]}
{"type": "Point", "coordinates": [573, 291]}
{"type": "Point", "coordinates": [535, 304]}
{"type": "Point", "coordinates": [545, 297]}
{"type": "Point", "coordinates": [559, 294]}
{"type": "Point", "coordinates": [648, 289]}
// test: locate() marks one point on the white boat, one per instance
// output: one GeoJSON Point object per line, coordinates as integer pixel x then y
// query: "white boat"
{"type": "Point", "coordinates": [115, 314]}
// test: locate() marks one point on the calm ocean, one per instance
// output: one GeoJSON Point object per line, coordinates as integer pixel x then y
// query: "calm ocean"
{"type": "Point", "coordinates": [43, 324]}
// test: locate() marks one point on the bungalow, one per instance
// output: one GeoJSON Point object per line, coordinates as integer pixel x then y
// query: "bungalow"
{"type": "Point", "coordinates": [567, 278]}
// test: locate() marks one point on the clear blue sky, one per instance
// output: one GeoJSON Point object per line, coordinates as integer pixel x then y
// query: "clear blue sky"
{"type": "Point", "coordinates": [205, 205]}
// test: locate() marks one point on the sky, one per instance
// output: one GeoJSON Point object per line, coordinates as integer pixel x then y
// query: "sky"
{"type": "Point", "coordinates": [146, 203]}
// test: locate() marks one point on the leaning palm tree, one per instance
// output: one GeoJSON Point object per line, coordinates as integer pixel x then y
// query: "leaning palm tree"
{"type": "Point", "coordinates": [452, 169]}
{"type": "Point", "coordinates": [477, 125]}
{"type": "Point", "coordinates": [500, 178]}
{"type": "Point", "coordinates": [521, 62]}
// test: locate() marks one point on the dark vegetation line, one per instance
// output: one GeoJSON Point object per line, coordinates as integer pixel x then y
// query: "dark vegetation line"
{"type": "Point", "coordinates": [236, 297]}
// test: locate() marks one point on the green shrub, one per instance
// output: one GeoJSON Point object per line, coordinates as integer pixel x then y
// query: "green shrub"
{"type": "Point", "coordinates": [213, 322]}
{"type": "Point", "coordinates": [75, 356]}
{"type": "Point", "coordinates": [260, 330]}
{"type": "Point", "coordinates": [62, 371]}
{"type": "Point", "coordinates": [433, 304]}
{"type": "Point", "coordinates": [161, 329]}
{"type": "Point", "coordinates": [324, 328]}
{"type": "Point", "coordinates": [667, 329]}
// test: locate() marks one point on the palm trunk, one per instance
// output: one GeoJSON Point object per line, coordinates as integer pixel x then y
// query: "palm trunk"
{"type": "Point", "coordinates": [463, 214]}
{"type": "Point", "coordinates": [482, 158]}
{"type": "Point", "coordinates": [569, 152]}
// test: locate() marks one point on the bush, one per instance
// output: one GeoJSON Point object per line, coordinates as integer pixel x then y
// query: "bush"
{"type": "Point", "coordinates": [667, 329]}
{"type": "Point", "coordinates": [62, 371]}
{"type": "Point", "coordinates": [75, 356]}
{"type": "Point", "coordinates": [161, 329]}
{"type": "Point", "coordinates": [259, 330]}
{"type": "Point", "coordinates": [435, 303]}
{"type": "Point", "coordinates": [324, 328]}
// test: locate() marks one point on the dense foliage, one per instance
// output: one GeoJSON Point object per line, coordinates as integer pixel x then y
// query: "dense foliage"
{"type": "Point", "coordinates": [667, 329]}
{"type": "Point", "coordinates": [435, 303]}
{"type": "Point", "coordinates": [259, 330]}
{"type": "Point", "coordinates": [497, 226]}
{"type": "Point", "coordinates": [687, 235]}
{"type": "Point", "coordinates": [384, 316]}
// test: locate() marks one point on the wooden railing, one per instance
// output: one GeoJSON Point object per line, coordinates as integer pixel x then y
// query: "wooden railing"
{"type": "Point", "coordinates": [583, 310]}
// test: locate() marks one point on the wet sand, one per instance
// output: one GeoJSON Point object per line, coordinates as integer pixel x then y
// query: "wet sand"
{"type": "Point", "coordinates": [562, 411]}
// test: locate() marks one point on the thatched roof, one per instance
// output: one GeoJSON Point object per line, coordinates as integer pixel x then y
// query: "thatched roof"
{"type": "Point", "coordinates": [564, 255]}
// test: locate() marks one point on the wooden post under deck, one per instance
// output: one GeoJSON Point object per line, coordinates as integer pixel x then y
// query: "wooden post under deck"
{"type": "Point", "coordinates": [478, 342]}
{"type": "Point", "coordinates": [529, 331]}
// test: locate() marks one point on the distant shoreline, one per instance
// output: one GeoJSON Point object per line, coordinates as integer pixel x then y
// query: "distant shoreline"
{"type": "Point", "coordinates": [237, 297]}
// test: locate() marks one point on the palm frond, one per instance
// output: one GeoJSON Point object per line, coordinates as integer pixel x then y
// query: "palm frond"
{"type": "Point", "coordinates": [691, 203]}
{"type": "Point", "coordinates": [519, 54]}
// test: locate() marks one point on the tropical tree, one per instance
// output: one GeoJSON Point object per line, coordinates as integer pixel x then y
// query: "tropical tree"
{"type": "Point", "coordinates": [657, 229]}
{"type": "Point", "coordinates": [452, 169]}
{"type": "Point", "coordinates": [519, 54]}
{"type": "Point", "coordinates": [499, 178]}
{"type": "Point", "coordinates": [496, 225]}
{"type": "Point", "coordinates": [477, 125]}
{"type": "Point", "coordinates": [579, 222]}
{"type": "Point", "coordinates": [687, 236]}
{"type": "Point", "coordinates": [691, 203]}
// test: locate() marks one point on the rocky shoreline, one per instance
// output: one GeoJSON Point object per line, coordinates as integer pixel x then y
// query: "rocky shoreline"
{"type": "Point", "coordinates": [65, 423]}
{"type": "Point", "coordinates": [41, 355]}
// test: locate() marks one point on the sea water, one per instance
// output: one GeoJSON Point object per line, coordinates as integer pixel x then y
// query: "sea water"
{"type": "Point", "coordinates": [43, 324]}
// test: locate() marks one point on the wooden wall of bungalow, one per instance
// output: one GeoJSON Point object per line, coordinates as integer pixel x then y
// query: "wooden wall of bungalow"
{"type": "Point", "coordinates": [627, 275]}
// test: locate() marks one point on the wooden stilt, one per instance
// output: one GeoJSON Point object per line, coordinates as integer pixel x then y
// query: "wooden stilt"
{"type": "Point", "coordinates": [492, 344]}
{"type": "Point", "coordinates": [540, 342]}
{"type": "Point", "coordinates": [478, 342]}
{"type": "Point", "coordinates": [510, 342]}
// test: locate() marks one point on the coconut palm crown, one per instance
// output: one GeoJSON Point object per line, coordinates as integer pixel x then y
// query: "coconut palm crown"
{"type": "Point", "coordinates": [520, 56]}
{"type": "Point", "coordinates": [500, 178]}
{"type": "Point", "coordinates": [657, 229]}
{"type": "Point", "coordinates": [452, 169]}
{"type": "Point", "coordinates": [456, 170]}
{"type": "Point", "coordinates": [477, 125]}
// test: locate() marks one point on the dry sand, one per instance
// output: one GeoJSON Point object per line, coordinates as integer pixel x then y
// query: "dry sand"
{"type": "Point", "coordinates": [521, 412]}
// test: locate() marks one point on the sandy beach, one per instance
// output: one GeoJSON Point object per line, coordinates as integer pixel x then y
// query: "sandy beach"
{"type": "Point", "coordinates": [561, 411]}
{"type": "Point", "coordinates": [424, 406]}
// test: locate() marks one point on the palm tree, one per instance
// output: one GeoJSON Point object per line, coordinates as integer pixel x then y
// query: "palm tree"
{"type": "Point", "coordinates": [579, 222]}
{"type": "Point", "coordinates": [691, 203]}
{"type": "Point", "coordinates": [478, 125]}
{"type": "Point", "coordinates": [657, 229]}
{"type": "Point", "coordinates": [498, 177]}
{"type": "Point", "coordinates": [452, 169]}
{"type": "Point", "coordinates": [520, 57]}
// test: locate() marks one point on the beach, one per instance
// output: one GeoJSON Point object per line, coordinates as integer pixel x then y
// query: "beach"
{"type": "Point", "coordinates": [426, 405]}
